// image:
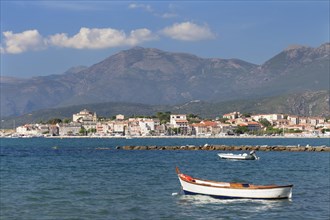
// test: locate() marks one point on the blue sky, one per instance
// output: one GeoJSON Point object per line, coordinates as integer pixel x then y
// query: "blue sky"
{"type": "Point", "coordinates": [48, 37]}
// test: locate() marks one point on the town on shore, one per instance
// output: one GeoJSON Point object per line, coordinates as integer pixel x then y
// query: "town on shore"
{"type": "Point", "coordinates": [165, 124]}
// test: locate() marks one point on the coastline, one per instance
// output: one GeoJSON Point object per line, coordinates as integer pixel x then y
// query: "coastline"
{"type": "Point", "coordinates": [190, 137]}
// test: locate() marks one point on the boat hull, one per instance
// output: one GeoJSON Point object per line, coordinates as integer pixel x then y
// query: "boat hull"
{"type": "Point", "coordinates": [228, 197]}
{"type": "Point", "coordinates": [237, 157]}
{"type": "Point", "coordinates": [277, 192]}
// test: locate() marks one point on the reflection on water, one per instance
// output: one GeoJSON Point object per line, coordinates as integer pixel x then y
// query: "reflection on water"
{"type": "Point", "coordinates": [244, 205]}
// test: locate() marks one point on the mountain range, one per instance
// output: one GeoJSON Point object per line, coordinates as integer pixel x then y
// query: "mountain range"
{"type": "Point", "coordinates": [155, 77]}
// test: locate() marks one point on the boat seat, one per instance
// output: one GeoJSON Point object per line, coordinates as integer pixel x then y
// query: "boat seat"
{"type": "Point", "coordinates": [239, 185]}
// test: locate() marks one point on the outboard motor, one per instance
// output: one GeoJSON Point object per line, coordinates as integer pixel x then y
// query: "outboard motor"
{"type": "Point", "coordinates": [253, 154]}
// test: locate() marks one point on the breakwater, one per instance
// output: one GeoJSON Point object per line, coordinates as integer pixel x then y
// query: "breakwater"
{"type": "Point", "coordinates": [293, 148]}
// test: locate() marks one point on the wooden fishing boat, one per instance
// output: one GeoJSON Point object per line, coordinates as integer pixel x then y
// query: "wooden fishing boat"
{"type": "Point", "coordinates": [224, 190]}
{"type": "Point", "coordinates": [251, 156]}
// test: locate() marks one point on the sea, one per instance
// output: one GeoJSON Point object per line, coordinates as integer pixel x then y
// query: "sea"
{"type": "Point", "coordinates": [88, 178]}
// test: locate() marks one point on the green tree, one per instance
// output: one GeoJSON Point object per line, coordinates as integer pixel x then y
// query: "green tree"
{"type": "Point", "coordinates": [271, 130]}
{"type": "Point", "coordinates": [66, 120]}
{"type": "Point", "coordinates": [325, 130]}
{"type": "Point", "coordinates": [241, 130]}
{"type": "Point", "coordinates": [192, 118]}
{"type": "Point", "coordinates": [246, 115]}
{"type": "Point", "coordinates": [176, 130]}
{"type": "Point", "coordinates": [82, 131]}
{"type": "Point", "coordinates": [91, 130]}
{"type": "Point", "coordinates": [265, 122]}
{"type": "Point", "coordinates": [163, 117]}
{"type": "Point", "coordinates": [223, 120]}
{"type": "Point", "coordinates": [54, 121]}
{"type": "Point", "coordinates": [173, 131]}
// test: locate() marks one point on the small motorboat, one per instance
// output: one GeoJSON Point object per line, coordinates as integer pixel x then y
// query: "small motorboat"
{"type": "Point", "coordinates": [225, 190]}
{"type": "Point", "coordinates": [251, 156]}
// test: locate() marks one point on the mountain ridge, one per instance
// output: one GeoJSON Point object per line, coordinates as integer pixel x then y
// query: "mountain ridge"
{"type": "Point", "coordinates": [153, 76]}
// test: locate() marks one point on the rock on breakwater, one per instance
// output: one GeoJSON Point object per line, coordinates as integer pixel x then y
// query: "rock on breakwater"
{"type": "Point", "coordinates": [293, 148]}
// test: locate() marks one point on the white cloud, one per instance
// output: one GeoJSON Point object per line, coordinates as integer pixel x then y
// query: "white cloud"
{"type": "Point", "coordinates": [21, 42]}
{"type": "Point", "coordinates": [188, 31]}
{"type": "Point", "coordinates": [100, 38]}
{"type": "Point", "coordinates": [140, 35]}
{"type": "Point", "coordinates": [169, 15]}
{"type": "Point", "coordinates": [151, 10]}
{"type": "Point", "coordinates": [142, 6]}
{"type": "Point", "coordinates": [70, 5]}
{"type": "Point", "coordinates": [86, 38]}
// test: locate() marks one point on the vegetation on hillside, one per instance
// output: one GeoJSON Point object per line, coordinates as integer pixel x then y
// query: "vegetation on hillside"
{"type": "Point", "coordinates": [303, 104]}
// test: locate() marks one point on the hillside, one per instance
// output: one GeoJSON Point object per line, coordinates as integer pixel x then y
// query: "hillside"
{"type": "Point", "coordinates": [154, 77]}
{"type": "Point", "coordinates": [303, 104]}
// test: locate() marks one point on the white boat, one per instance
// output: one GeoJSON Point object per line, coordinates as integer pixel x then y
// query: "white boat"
{"type": "Point", "coordinates": [225, 190]}
{"type": "Point", "coordinates": [251, 156]}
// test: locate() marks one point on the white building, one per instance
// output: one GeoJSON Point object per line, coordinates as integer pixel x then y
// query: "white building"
{"type": "Point", "coordinates": [103, 128]}
{"type": "Point", "coordinates": [232, 115]}
{"type": "Point", "coordinates": [269, 117]}
{"type": "Point", "coordinates": [133, 127]}
{"type": "Point", "coordinates": [84, 116]}
{"type": "Point", "coordinates": [120, 117]}
{"type": "Point", "coordinates": [206, 128]}
{"type": "Point", "coordinates": [27, 129]}
{"type": "Point", "coordinates": [146, 126]}
{"type": "Point", "coordinates": [69, 129]}
{"type": "Point", "coordinates": [293, 119]}
{"type": "Point", "coordinates": [179, 121]}
{"type": "Point", "coordinates": [175, 120]}
{"type": "Point", "coordinates": [119, 128]}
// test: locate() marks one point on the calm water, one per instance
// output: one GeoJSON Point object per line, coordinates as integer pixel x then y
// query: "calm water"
{"type": "Point", "coordinates": [89, 179]}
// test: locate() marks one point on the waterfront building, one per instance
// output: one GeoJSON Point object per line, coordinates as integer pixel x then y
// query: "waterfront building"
{"type": "Point", "coordinates": [179, 121]}
{"type": "Point", "coordinates": [84, 116]}
{"type": "Point", "coordinates": [227, 128]}
{"type": "Point", "coordinates": [89, 125]}
{"type": "Point", "coordinates": [146, 126]}
{"type": "Point", "coordinates": [251, 126]}
{"type": "Point", "coordinates": [303, 120]}
{"type": "Point", "coordinates": [232, 115]}
{"type": "Point", "coordinates": [120, 117]}
{"type": "Point", "coordinates": [120, 128]}
{"type": "Point", "coordinates": [69, 129]}
{"type": "Point", "coordinates": [134, 128]}
{"type": "Point", "coordinates": [269, 117]}
{"type": "Point", "coordinates": [205, 128]}
{"type": "Point", "coordinates": [28, 130]}
{"type": "Point", "coordinates": [53, 130]}
{"type": "Point", "coordinates": [294, 120]}
{"type": "Point", "coordinates": [316, 120]}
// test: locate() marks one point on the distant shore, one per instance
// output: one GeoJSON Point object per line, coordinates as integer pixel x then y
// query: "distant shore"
{"type": "Point", "coordinates": [206, 137]}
